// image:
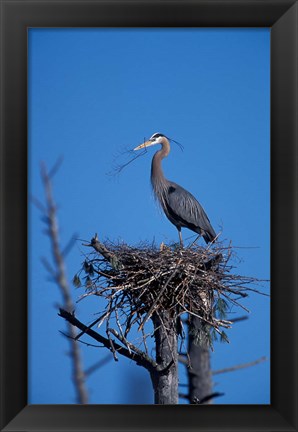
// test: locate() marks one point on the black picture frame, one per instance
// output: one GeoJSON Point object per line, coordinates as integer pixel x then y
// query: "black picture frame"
{"type": "Point", "coordinates": [16, 18]}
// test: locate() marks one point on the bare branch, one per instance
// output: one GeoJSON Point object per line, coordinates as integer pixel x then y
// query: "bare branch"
{"type": "Point", "coordinates": [55, 168]}
{"type": "Point", "coordinates": [97, 365]}
{"type": "Point", "coordinates": [238, 319]}
{"type": "Point", "coordinates": [110, 257]}
{"type": "Point", "coordinates": [240, 366]}
{"type": "Point", "coordinates": [183, 359]}
{"type": "Point", "coordinates": [61, 280]}
{"type": "Point", "coordinates": [140, 358]}
{"type": "Point", "coordinates": [202, 401]}
{"type": "Point", "coordinates": [69, 245]}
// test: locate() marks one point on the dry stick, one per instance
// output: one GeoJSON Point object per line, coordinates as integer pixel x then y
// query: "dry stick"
{"type": "Point", "coordinates": [139, 357]}
{"type": "Point", "coordinates": [182, 359]}
{"type": "Point", "coordinates": [101, 318]}
{"type": "Point", "coordinates": [123, 339]}
{"type": "Point", "coordinates": [145, 343]}
{"type": "Point", "coordinates": [81, 342]}
{"type": "Point", "coordinates": [112, 347]}
{"type": "Point", "coordinates": [130, 346]}
{"type": "Point", "coordinates": [61, 280]}
{"type": "Point", "coordinates": [240, 366]}
{"type": "Point", "coordinates": [222, 323]}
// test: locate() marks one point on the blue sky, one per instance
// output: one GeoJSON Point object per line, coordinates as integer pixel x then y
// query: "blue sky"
{"type": "Point", "coordinates": [94, 93]}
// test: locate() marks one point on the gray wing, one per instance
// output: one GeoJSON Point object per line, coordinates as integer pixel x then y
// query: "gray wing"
{"type": "Point", "coordinates": [183, 207]}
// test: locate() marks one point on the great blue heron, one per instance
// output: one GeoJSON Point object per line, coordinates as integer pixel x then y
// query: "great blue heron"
{"type": "Point", "coordinates": [180, 206]}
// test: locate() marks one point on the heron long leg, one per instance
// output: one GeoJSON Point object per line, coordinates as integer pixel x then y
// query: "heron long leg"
{"type": "Point", "coordinates": [180, 238]}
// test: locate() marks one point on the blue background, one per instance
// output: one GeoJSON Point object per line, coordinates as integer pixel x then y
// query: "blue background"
{"type": "Point", "coordinates": [94, 93]}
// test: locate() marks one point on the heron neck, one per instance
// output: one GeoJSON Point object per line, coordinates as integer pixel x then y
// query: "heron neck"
{"type": "Point", "coordinates": [157, 175]}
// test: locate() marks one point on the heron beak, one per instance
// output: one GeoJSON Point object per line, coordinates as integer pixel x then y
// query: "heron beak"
{"type": "Point", "coordinates": [145, 144]}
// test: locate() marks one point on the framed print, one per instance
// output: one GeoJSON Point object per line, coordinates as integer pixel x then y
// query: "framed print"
{"type": "Point", "coordinates": [24, 24]}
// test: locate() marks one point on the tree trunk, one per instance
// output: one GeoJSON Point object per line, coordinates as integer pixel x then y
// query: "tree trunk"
{"type": "Point", "coordinates": [199, 374]}
{"type": "Point", "coordinates": [165, 380]}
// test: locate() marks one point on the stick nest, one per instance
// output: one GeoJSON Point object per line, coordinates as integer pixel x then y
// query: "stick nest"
{"type": "Point", "coordinates": [137, 282]}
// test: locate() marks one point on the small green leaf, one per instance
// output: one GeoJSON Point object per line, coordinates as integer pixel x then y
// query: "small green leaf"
{"type": "Point", "coordinates": [88, 282]}
{"type": "Point", "coordinates": [91, 270]}
{"type": "Point", "coordinates": [213, 334]}
{"type": "Point", "coordinates": [221, 308]}
{"type": "Point", "coordinates": [86, 266]}
{"type": "Point", "coordinates": [224, 337]}
{"type": "Point", "coordinates": [76, 281]}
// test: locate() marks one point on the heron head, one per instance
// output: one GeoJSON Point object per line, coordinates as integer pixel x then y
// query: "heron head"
{"type": "Point", "coordinates": [156, 138]}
